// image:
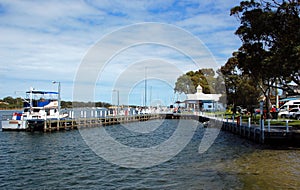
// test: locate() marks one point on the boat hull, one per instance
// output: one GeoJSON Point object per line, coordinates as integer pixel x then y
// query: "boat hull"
{"type": "Point", "coordinates": [14, 125]}
{"type": "Point", "coordinates": [36, 124]}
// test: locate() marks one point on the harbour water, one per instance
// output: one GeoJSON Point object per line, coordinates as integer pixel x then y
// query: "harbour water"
{"type": "Point", "coordinates": [63, 160]}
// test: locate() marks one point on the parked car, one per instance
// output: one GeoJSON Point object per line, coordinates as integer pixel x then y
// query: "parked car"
{"type": "Point", "coordinates": [290, 105]}
{"type": "Point", "coordinates": [288, 114]}
{"type": "Point", "coordinates": [296, 115]}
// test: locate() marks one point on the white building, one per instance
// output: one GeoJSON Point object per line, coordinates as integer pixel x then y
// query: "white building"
{"type": "Point", "coordinates": [203, 102]}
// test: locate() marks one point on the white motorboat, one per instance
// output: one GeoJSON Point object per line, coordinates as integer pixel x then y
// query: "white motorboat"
{"type": "Point", "coordinates": [38, 106]}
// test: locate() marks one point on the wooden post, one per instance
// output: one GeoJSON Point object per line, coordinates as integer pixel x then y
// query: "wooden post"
{"type": "Point", "coordinates": [57, 127]}
{"type": "Point", "coordinates": [49, 125]}
{"type": "Point", "coordinates": [85, 120]}
{"type": "Point", "coordinates": [262, 131]}
{"type": "Point", "coordinates": [240, 124]}
{"type": "Point", "coordinates": [72, 122]}
{"type": "Point", "coordinates": [249, 122]}
{"type": "Point", "coordinates": [45, 125]}
{"type": "Point", "coordinates": [249, 127]}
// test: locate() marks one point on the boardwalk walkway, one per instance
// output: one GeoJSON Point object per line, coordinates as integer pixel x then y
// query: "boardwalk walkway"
{"type": "Point", "coordinates": [256, 133]}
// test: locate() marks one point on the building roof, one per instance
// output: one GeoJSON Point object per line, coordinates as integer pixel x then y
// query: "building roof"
{"type": "Point", "coordinates": [290, 98]}
{"type": "Point", "coordinates": [214, 97]}
{"type": "Point", "coordinates": [40, 92]}
{"type": "Point", "coordinates": [199, 95]}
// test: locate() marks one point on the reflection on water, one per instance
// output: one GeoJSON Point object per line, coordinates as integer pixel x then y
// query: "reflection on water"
{"type": "Point", "coordinates": [63, 161]}
{"type": "Point", "coordinates": [279, 169]}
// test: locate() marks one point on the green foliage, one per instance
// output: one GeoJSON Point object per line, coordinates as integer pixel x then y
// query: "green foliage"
{"type": "Point", "coordinates": [11, 103]}
{"type": "Point", "coordinates": [270, 32]}
{"type": "Point", "coordinates": [184, 84]}
{"type": "Point", "coordinates": [240, 88]}
{"type": "Point", "coordinates": [270, 53]}
{"type": "Point", "coordinates": [187, 83]}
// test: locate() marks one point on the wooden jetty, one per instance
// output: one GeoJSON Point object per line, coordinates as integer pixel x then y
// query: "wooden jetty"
{"type": "Point", "coordinates": [264, 134]}
{"type": "Point", "coordinates": [82, 122]}
{"type": "Point", "coordinates": [75, 123]}
{"type": "Point", "coordinates": [257, 133]}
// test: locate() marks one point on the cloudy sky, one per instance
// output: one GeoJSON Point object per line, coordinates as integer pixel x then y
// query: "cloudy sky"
{"type": "Point", "coordinates": [42, 41]}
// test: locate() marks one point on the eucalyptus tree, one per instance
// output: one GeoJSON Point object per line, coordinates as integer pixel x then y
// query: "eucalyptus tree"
{"type": "Point", "coordinates": [240, 88]}
{"type": "Point", "coordinates": [188, 82]}
{"type": "Point", "coordinates": [270, 33]}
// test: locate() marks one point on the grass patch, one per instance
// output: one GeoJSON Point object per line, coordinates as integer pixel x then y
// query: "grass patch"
{"type": "Point", "coordinates": [255, 119]}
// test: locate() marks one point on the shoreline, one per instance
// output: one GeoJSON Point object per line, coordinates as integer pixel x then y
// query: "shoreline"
{"type": "Point", "coordinates": [10, 109]}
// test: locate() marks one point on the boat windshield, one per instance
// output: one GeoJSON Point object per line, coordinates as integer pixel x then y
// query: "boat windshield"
{"type": "Point", "coordinates": [39, 95]}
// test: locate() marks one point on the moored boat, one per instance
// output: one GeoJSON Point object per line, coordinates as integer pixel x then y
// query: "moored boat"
{"type": "Point", "coordinates": [38, 106]}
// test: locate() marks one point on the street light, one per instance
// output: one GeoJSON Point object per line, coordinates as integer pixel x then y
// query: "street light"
{"type": "Point", "coordinates": [54, 82]}
{"type": "Point", "coordinates": [118, 97]}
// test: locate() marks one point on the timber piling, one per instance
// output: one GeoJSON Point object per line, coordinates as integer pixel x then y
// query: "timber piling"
{"type": "Point", "coordinates": [75, 123]}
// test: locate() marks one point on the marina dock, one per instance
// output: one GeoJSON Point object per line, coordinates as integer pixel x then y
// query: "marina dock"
{"type": "Point", "coordinates": [264, 135]}
{"type": "Point", "coordinates": [268, 134]}
{"type": "Point", "coordinates": [75, 123]}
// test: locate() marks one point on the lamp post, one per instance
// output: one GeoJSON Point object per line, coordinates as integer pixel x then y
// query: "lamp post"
{"type": "Point", "coordinates": [118, 97]}
{"type": "Point", "coordinates": [58, 90]}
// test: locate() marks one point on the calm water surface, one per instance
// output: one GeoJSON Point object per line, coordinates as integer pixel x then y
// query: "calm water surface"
{"type": "Point", "coordinates": [64, 161]}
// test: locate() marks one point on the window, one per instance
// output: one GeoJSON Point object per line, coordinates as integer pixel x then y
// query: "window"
{"type": "Point", "coordinates": [293, 106]}
{"type": "Point", "coordinates": [283, 108]}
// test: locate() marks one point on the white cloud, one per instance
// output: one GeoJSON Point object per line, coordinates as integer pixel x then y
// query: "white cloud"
{"type": "Point", "coordinates": [47, 40]}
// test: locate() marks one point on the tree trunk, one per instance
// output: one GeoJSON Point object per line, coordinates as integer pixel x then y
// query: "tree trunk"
{"type": "Point", "coordinates": [268, 104]}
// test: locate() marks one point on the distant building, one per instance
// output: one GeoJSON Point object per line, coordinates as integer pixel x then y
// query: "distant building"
{"type": "Point", "coordinates": [5, 103]}
{"type": "Point", "coordinates": [203, 102]}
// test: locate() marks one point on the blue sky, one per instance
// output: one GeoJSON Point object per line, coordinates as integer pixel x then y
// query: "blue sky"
{"type": "Point", "coordinates": [42, 41]}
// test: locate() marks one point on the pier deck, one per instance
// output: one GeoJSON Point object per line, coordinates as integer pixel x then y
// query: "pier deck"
{"type": "Point", "coordinates": [75, 123]}
{"type": "Point", "coordinates": [261, 134]}
{"type": "Point", "coordinates": [265, 135]}
{"type": "Point", "coordinates": [256, 133]}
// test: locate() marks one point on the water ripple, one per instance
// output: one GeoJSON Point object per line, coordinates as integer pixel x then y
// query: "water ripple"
{"type": "Point", "coordinates": [63, 161]}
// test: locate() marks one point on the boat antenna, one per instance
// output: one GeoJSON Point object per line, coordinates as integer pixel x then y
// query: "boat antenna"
{"type": "Point", "coordinates": [145, 87]}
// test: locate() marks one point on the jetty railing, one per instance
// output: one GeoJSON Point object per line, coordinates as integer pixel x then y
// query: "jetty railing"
{"type": "Point", "coordinates": [257, 132]}
{"type": "Point", "coordinates": [260, 132]}
{"type": "Point", "coordinates": [85, 121]}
